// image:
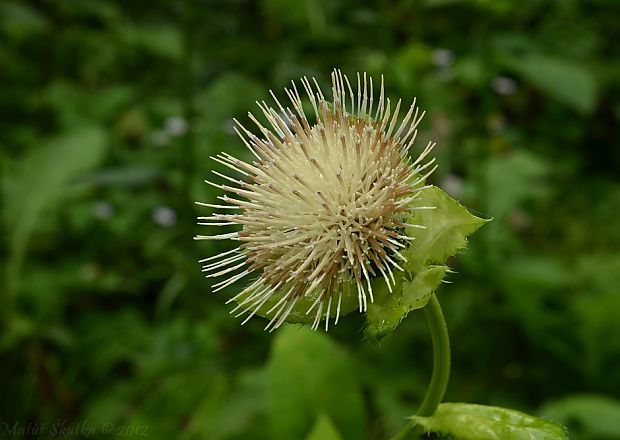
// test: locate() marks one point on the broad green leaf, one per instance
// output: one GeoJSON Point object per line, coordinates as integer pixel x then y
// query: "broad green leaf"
{"type": "Point", "coordinates": [593, 416]}
{"type": "Point", "coordinates": [39, 182]}
{"type": "Point", "coordinates": [243, 410]}
{"type": "Point", "coordinates": [566, 81]}
{"type": "Point", "coordinates": [465, 421]}
{"type": "Point", "coordinates": [324, 429]}
{"type": "Point", "coordinates": [309, 375]}
{"type": "Point", "coordinates": [389, 309]}
{"type": "Point", "coordinates": [447, 226]}
{"type": "Point", "coordinates": [182, 395]}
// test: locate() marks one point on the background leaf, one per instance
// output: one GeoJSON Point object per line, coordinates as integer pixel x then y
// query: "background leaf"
{"type": "Point", "coordinates": [569, 83]}
{"type": "Point", "coordinates": [39, 184]}
{"type": "Point", "coordinates": [324, 429]}
{"type": "Point", "coordinates": [589, 416]}
{"type": "Point", "coordinates": [310, 375]}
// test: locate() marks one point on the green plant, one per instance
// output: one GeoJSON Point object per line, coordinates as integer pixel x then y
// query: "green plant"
{"type": "Point", "coordinates": [335, 216]}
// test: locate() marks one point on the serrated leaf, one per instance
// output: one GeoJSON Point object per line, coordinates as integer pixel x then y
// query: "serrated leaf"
{"type": "Point", "coordinates": [566, 81]}
{"type": "Point", "coordinates": [309, 375]}
{"type": "Point", "coordinates": [324, 429]}
{"type": "Point", "coordinates": [389, 309]}
{"type": "Point", "coordinates": [596, 416]}
{"type": "Point", "coordinates": [446, 229]}
{"type": "Point", "coordinates": [466, 421]}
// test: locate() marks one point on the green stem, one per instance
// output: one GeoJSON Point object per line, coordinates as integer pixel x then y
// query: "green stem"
{"type": "Point", "coordinates": [441, 368]}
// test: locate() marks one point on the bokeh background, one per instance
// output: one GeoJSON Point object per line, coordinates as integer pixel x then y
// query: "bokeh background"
{"type": "Point", "coordinates": [109, 113]}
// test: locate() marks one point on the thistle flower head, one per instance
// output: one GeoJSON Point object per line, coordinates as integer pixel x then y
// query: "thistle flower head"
{"type": "Point", "coordinates": [323, 205]}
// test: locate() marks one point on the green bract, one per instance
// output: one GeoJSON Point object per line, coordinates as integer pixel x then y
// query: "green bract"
{"type": "Point", "coordinates": [389, 309]}
{"type": "Point", "coordinates": [446, 230]}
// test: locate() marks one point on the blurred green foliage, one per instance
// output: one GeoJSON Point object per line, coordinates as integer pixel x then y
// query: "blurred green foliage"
{"type": "Point", "coordinates": [109, 113]}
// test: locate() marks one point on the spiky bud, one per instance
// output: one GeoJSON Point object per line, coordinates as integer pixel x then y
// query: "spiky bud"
{"type": "Point", "coordinates": [324, 203]}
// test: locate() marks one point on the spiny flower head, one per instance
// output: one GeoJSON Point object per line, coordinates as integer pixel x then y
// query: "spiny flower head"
{"type": "Point", "coordinates": [324, 203]}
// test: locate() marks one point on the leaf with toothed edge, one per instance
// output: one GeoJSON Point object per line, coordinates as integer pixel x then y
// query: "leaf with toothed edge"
{"type": "Point", "coordinates": [465, 421]}
{"type": "Point", "coordinates": [445, 229]}
{"type": "Point", "coordinates": [442, 232]}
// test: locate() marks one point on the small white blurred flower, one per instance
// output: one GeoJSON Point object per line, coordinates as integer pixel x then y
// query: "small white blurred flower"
{"type": "Point", "coordinates": [103, 210]}
{"type": "Point", "coordinates": [503, 85]}
{"type": "Point", "coordinates": [164, 216]}
{"type": "Point", "coordinates": [443, 57]}
{"type": "Point", "coordinates": [176, 126]}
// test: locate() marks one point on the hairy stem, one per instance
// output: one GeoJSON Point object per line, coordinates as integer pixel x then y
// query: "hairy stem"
{"type": "Point", "coordinates": [441, 368]}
